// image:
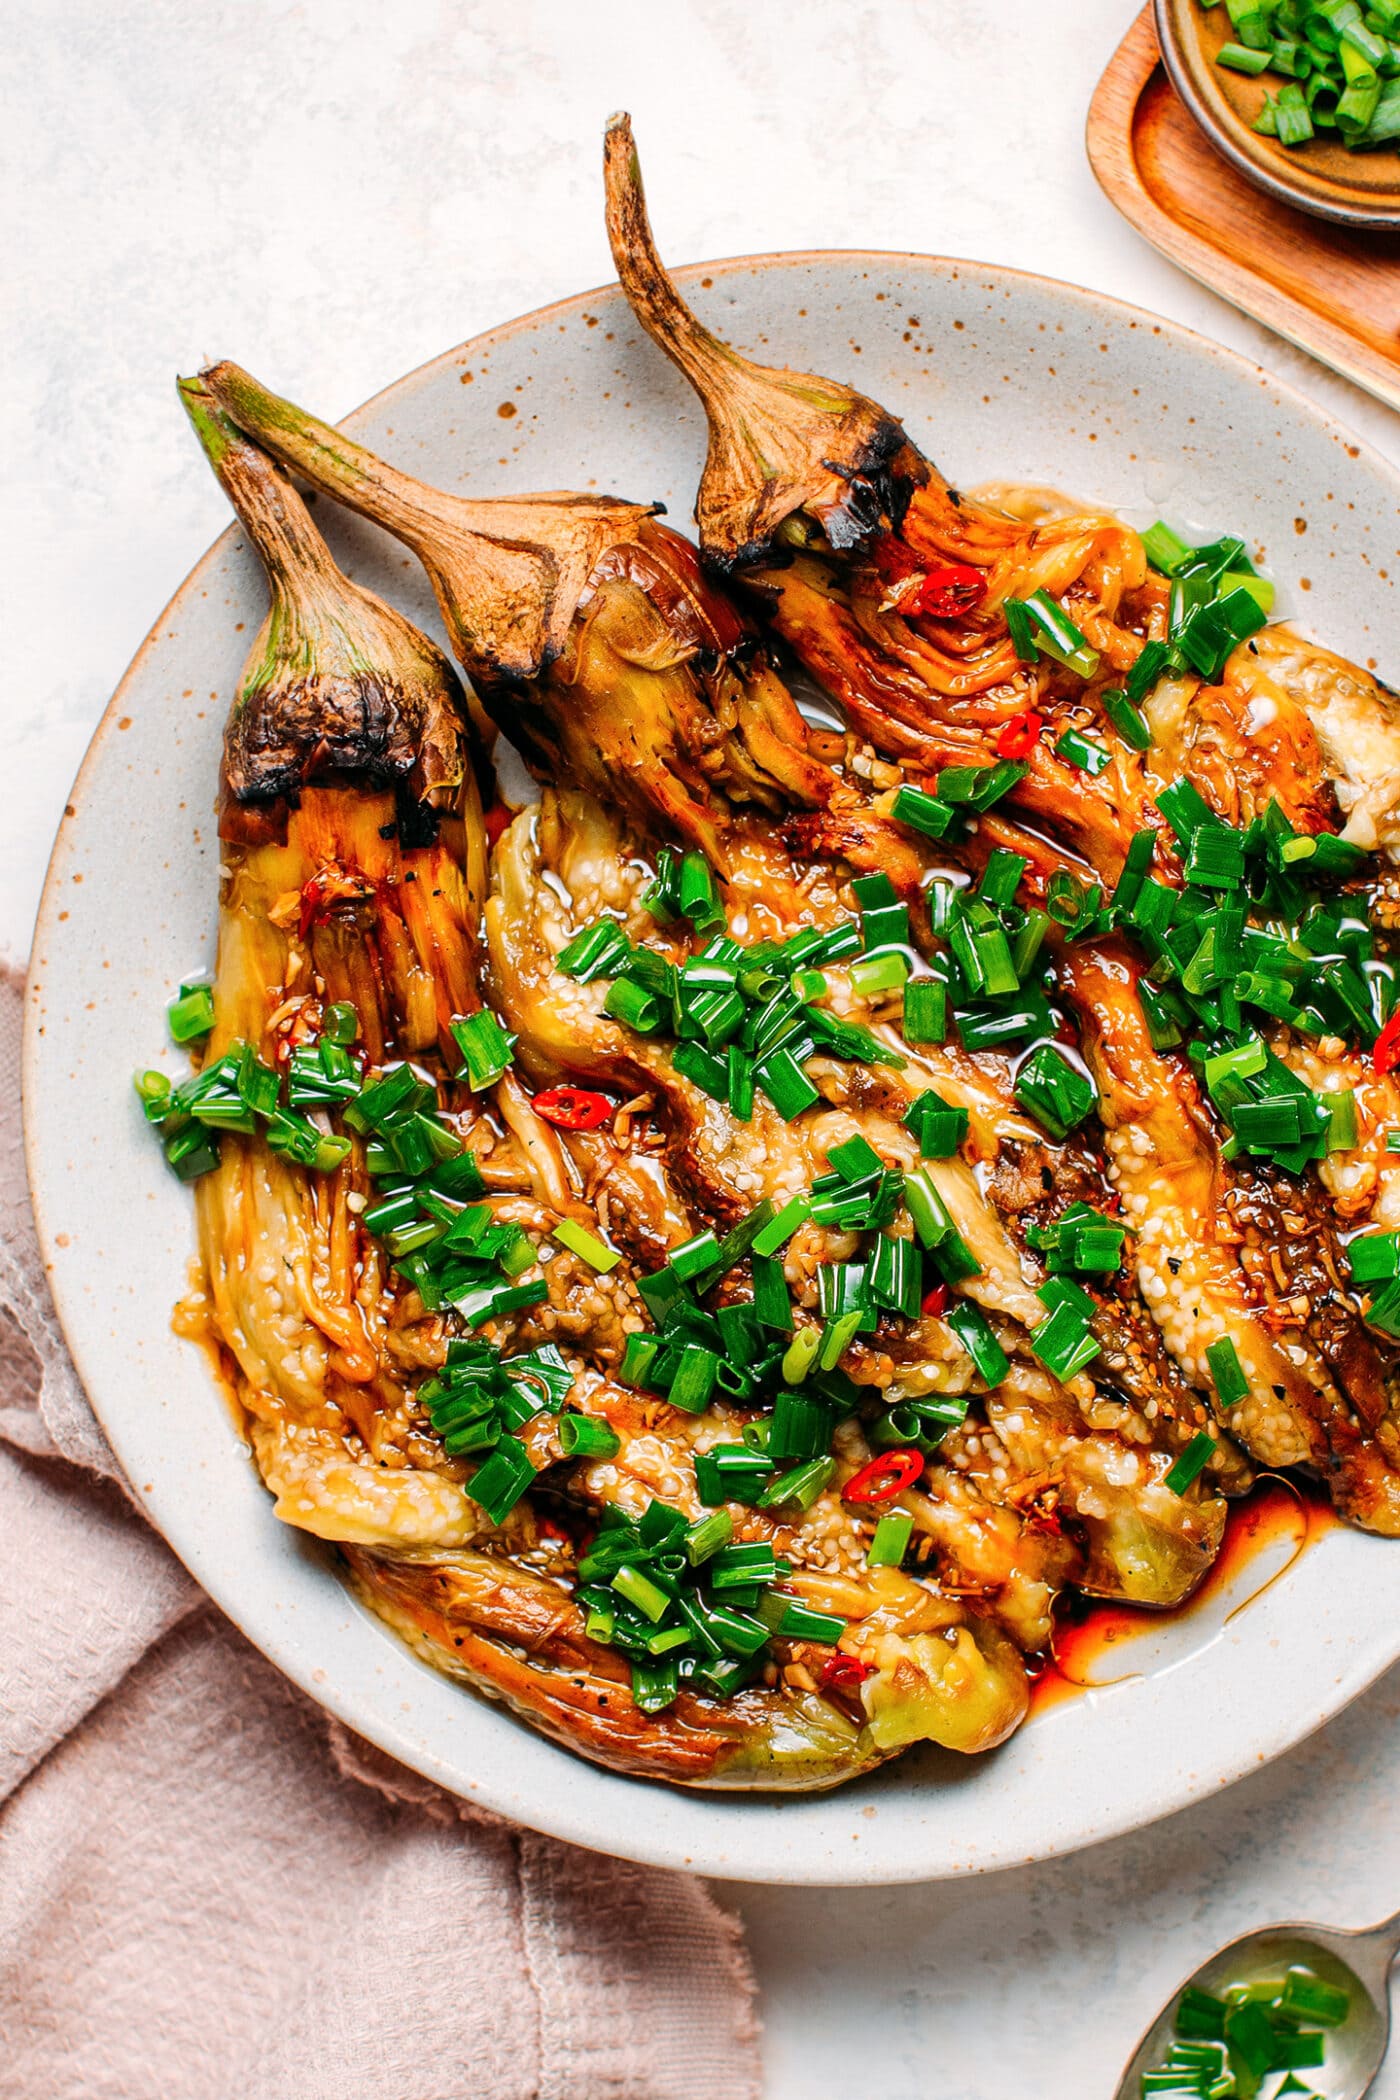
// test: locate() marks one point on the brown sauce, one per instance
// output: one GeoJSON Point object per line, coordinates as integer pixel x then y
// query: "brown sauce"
{"type": "Point", "coordinates": [1280, 1518]}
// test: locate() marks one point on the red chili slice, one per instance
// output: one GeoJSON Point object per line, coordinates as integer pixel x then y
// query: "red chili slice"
{"type": "Point", "coordinates": [1386, 1055]}
{"type": "Point", "coordinates": [945, 594]}
{"type": "Point", "coordinates": [1019, 736]}
{"type": "Point", "coordinates": [313, 903]}
{"type": "Point", "coordinates": [495, 820]}
{"type": "Point", "coordinates": [882, 1478]}
{"type": "Point", "coordinates": [936, 1301]}
{"type": "Point", "coordinates": [843, 1673]}
{"type": "Point", "coordinates": [573, 1108]}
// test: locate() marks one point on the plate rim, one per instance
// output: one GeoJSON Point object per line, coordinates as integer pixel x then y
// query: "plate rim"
{"type": "Point", "coordinates": [1201, 1783]}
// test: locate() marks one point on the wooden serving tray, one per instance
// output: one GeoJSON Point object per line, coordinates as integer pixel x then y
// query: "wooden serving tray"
{"type": "Point", "coordinates": [1332, 290]}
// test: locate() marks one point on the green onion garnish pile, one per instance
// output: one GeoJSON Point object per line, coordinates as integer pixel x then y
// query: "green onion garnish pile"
{"type": "Point", "coordinates": [480, 1398]}
{"type": "Point", "coordinates": [745, 1018]}
{"type": "Point", "coordinates": [438, 1234]}
{"type": "Point", "coordinates": [1227, 2046]}
{"type": "Point", "coordinates": [239, 1092]}
{"type": "Point", "coordinates": [686, 1605]}
{"type": "Point", "coordinates": [1247, 940]}
{"type": "Point", "coordinates": [1338, 65]}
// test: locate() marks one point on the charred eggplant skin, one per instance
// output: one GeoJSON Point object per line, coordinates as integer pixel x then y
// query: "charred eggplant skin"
{"type": "Point", "coordinates": [338, 685]}
{"type": "Point", "coordinates": [780, 441]}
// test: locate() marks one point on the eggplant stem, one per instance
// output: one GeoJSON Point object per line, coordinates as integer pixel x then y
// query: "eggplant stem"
{"type": "Point", "coordinates": [268, 507]}
{"type": "Point", "coordinates": [508, 572]}
{"type": "Point", "coordinates": [781, 442]}
{"type": "Point", "coordinates": [337, 682]}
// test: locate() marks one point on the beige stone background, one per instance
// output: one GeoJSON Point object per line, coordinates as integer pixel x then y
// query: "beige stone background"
{"type": "Point", "coordinates": [184, 179]}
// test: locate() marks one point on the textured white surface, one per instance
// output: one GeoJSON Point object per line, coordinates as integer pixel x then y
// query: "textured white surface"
{"type": "Point", "coordinates": [337, 191]}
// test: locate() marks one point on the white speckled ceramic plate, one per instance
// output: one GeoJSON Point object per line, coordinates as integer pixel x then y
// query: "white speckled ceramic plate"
{"type": "Point", "coordinates": [1000, 376]}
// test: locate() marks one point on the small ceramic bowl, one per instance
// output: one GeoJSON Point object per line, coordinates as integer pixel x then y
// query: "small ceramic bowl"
{"type": "Point", "coordinates": [1322, 177]}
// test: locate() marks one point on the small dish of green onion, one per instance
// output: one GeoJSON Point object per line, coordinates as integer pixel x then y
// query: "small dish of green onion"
{"type": "Point", "coordinates": [1301, 96]}
{"type": "Point", "coordinates": [1332, 66]}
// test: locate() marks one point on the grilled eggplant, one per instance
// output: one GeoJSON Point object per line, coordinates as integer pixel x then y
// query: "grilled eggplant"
{"type": "Point", "coordinates": [671, 701]}
{"type": "Point", "coordinates": [353, 873]}
{"type": "Point", "coordinates": [824, 1350]}
{"type": "Point", "coordinates": [912, 625]}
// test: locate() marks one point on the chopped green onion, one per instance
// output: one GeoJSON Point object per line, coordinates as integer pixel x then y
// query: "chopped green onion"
{"type": "Point", "coordinates": [1063, 1343]}
{"type": "Point", "coordinates": [1082, 752]}
{"type": "Point", "coordinates": [642, 1593]}
{"type": "Point", "coordinates": [874, 974]}
{"type": "Point", "coordinates": [1200, 2013]}
{"type": "Point", "coordinates": [500, 1481]}
{"type": "Point", "coordinates": [925, 1017]}
{"type": "Point", "coordinates": [586, 1246]}
{"type": "Point", "coordinates": [972, 1328]}
{"type": "Point", "coordinates": [582, 1436]}
{"type": "Point", "coordinates": [935, 1227]}
{"type": "Point", "coordinates": [1153, 660]}
{"type": "Point", "coordinates": [771, 1303]}
{"type": "Point", "coordinates": [1307, 1997]}
{"type": "Point", "coordinates": [1342, 1131]}
{"type": "Point", "coordinates": [487, 1050]}
{"type": "Point", "coordinates": [706, 1535]}
{"type": "Point", "coordinates": [923, 812]}
{"type": "Point", "coordinates": [694, 1380]}
{"type": "Point", "coordinates": [693, 1257]}
{"type": "Point", "coordinates": [730, 1472]}
{"type": "Point", "coordinates": [1057, 636]}
{"type": "Point", "coordinates": [655, 1686]}
{"type": "Point", "coordinates": [1001, 877]}
{"type": "Point", "coordinates": [340, 1024]}
{"type": "Point", "coordinates": [855, 1158]}
{"type": "Point", "coordinates": [786, 1084]}
{"type": "Point", "coordinates": [1165, 549]}
{"type": "Point", "coordinates": [1215, 857]}
{"type": "Point", "coordinates": [1127, 718]}
{"type": "Point", "coordinates": [698, 897]}
{"type": "Point", "coordinates": [776, 1235]}
{"type": "Point", "coordinates": [1192, 1461]}
{"type": "Point", "coordinates": [800, 1355]}
{"type": "Point", "coordinates": [800, 1427]}
{"type": "Point", "coordinates": [837, 1335]}
{"type": "Point", "coordinates": [939, 1129]}
{"type": "Point", "coordinates": [1227, 1372]}
{"type": "Point", "coordinates": [595, 952]}
{"type": "Point", "coordinates": [1055, 1092]}
{"type": "Point", "coordinates": [1374, 1257]}
{"type": "Point", "coordinates": [800, 1488]}
{"type": "Point", "coordinates": [191, 1016]}
{"type": "Point", "coordinates": [1238, 58]}
{"type": "Point", "coordinates": [1021, 628]}
{"type": "Point", "coordinates": [979, 787]}
{"type": "Point", "coordinates": [189, 1153]}
{"type": "Point", "coordinates": [627, 1002]}
{"type": "Point", "coordinates": [703, 1069]}
{"type": "Point", "coordinates": [798, 1622]}
{"type": "Point", "coordinates": [890, 1541]}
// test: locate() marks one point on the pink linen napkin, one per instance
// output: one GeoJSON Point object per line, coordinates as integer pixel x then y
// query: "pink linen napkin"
{"type": "Point", "coordinates": [209, 1888]}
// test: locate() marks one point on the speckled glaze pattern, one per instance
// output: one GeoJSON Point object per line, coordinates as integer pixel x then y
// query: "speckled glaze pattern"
{"type": "Point", "coordinates": [1000, 376]}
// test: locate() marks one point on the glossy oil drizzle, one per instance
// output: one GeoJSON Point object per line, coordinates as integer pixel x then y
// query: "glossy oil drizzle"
{"type": "Point", "coordinates": [1098, 1644]}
